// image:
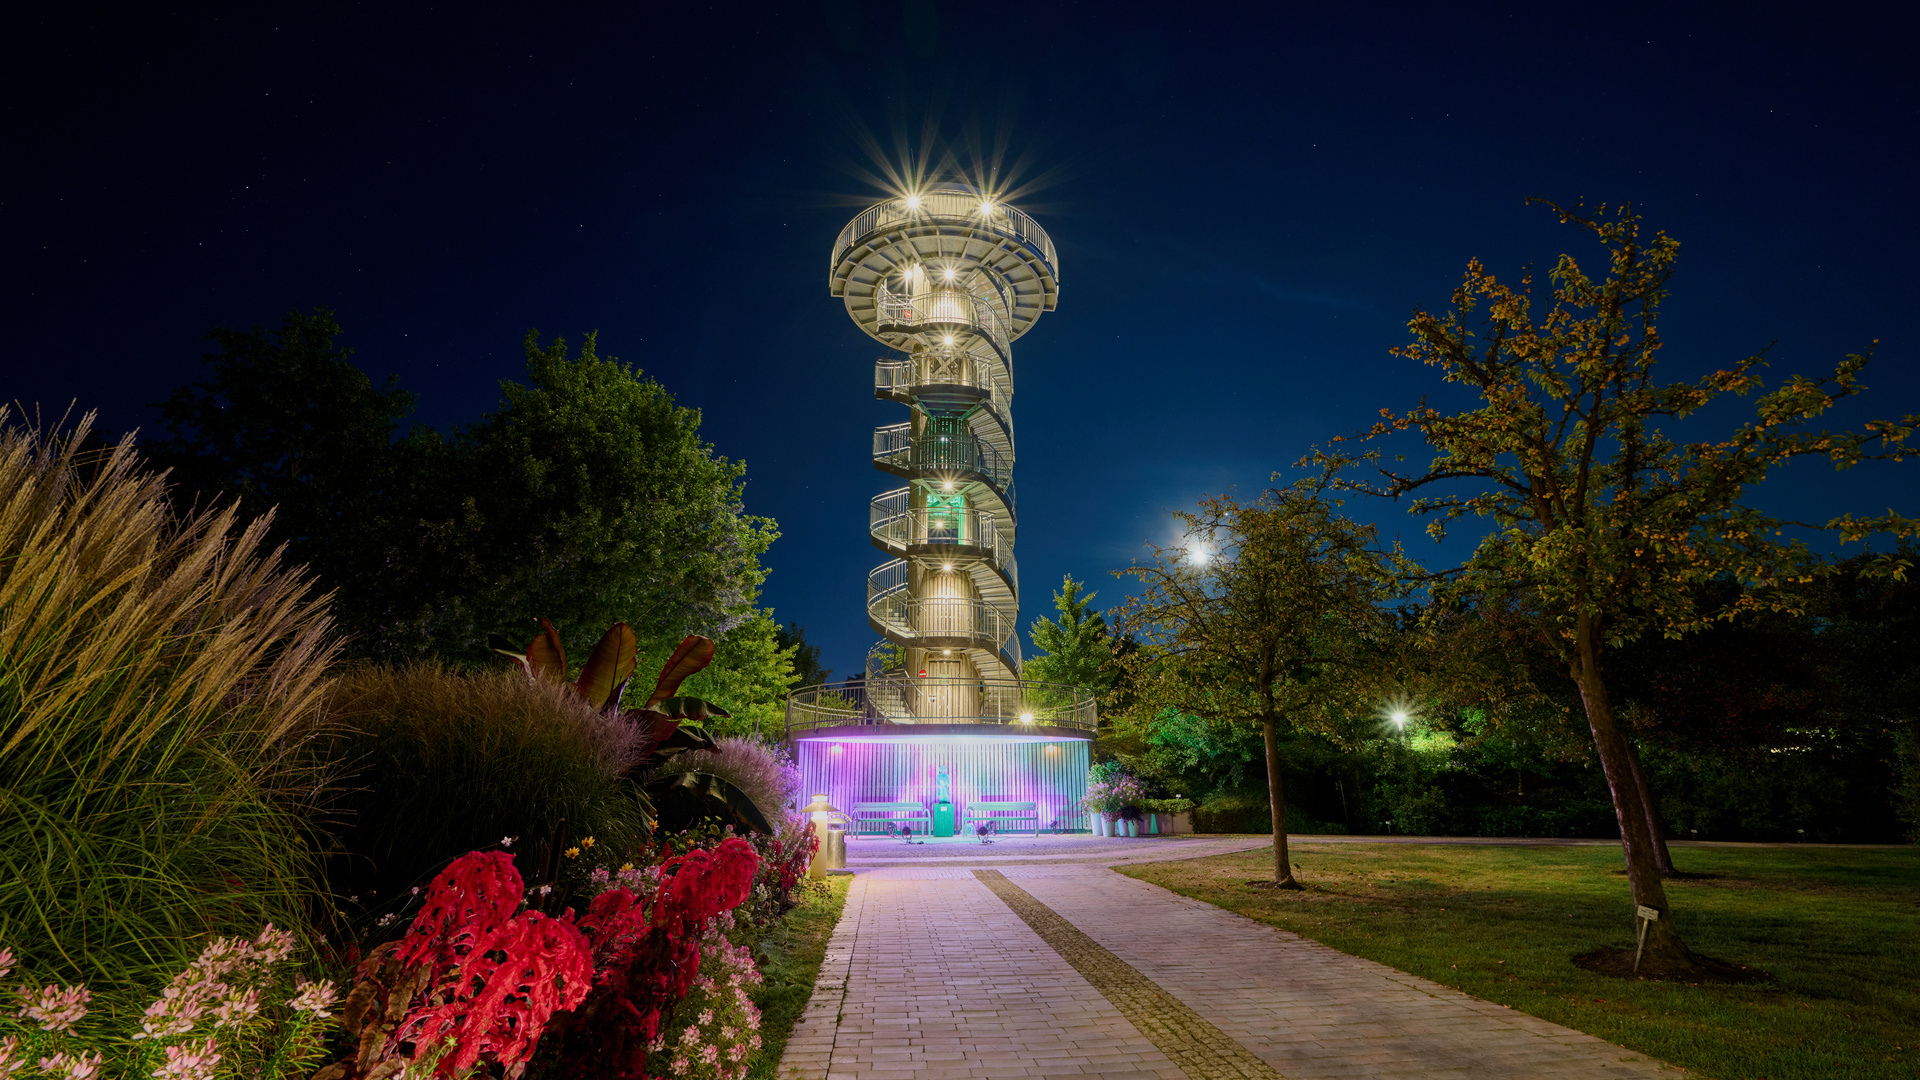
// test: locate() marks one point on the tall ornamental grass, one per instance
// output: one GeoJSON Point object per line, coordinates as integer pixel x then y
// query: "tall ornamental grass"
{"type": "Point", "coordinates": [437, 763]}
{"type": "Point", "coordinates": [152, 670]}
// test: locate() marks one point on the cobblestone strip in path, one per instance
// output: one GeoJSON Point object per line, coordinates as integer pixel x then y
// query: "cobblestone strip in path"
{"type": "Point", "coordinates": [1310, 1011]}
{"type": "Point", "coordinates": [1201, 1050]}
{"type": "Point", "coordinates": [942, 982]}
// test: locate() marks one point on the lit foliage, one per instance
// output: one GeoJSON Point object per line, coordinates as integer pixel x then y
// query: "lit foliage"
{"type": "Point", "coordinates": [236, 1010]}
{"type": "Point", "coordinates": [587, 496]}
{"type": "Point", "coordinates": [646, 955]}
{"type": "Point", "coordinates": [153, 669]}
{"type": "Point", "coordinates": [1610, 522]}
{"type": "Point", "coordinates": [1076, 647]}
{"type": "Point", "coordinates": [1276, 626]}
{"type": "Point", "coordinates": [480, 980]}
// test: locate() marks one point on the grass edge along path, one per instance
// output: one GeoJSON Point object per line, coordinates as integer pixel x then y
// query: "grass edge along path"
{"type": "Point", "coordinates": [789, 956]}
{"type": "Point", "coordinates": [1839, 927]}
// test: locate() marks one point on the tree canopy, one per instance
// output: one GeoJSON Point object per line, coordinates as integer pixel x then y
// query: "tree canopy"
{"type": "Point", "coordinates": [1268, 616]}
{"type": "Point", "coordinates": [1076, 647]}
{"type": "Point", "coordinates": [1606, 518]}
{"type": "Point", "coordinates": [587, 497]}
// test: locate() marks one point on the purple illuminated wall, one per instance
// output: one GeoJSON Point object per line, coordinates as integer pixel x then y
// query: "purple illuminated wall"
{"type": "Point", "coordinates": [1052, 774]}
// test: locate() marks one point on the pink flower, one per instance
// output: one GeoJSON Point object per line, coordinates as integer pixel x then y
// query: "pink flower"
{"type": "Point", "coordinates": [189, 1061]}
{"type": "Point", "coordinates": [680, 1066]}
{"type": "Point", "coordinates": [315, 998]}
{"type": "Point", "coordinates": [55, 1008]}
{"type": "Point", "coordinates": [10, 1061]}
{"type": "Point", "coordinates": [710, 1054]}
{"type": "Point", "coordinates": [6, 962]}
{"type": "Point", "coordinates": [273, 946]}
{"type": "Point", "coordinates": [237, 1009]}
{"type": "Point", "coordinates": [78, 1067]}
{"type": "Point", "coordinates": [706, 1016]}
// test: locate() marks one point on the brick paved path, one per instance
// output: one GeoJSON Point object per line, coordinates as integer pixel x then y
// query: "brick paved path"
{"type": "Point", "coordinates": [936, 972]}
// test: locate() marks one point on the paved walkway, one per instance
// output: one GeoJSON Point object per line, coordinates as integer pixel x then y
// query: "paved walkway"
{"type": "Point", "coordinates": [1038, 961]}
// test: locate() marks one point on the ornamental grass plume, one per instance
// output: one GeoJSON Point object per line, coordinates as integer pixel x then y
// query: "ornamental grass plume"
{"type": "Point", "coordinates": [767, 776]}
{"type": "Point", "coordinates": [448, 762]}
{"type": "Point", "coordinates": [155, 673]}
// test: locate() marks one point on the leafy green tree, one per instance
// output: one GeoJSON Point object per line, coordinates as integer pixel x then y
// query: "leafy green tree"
{"type": "Point", "coordinates": [1268, 617]}
{"type": "Point", "coordinates": [588, 498]}
{"type": "Point", "coordinates": [285, 420]}
{"type": "Point", "coordinates": [1077, 648]}
{"type": "Point", "coordinates": [1604, 517]}
{"type": "Point", "coordinates": [807, 670]}
{"type": "Point", "coordinates": [1871, 658]}
{"type": "Point", "coordinates": [752, 671]}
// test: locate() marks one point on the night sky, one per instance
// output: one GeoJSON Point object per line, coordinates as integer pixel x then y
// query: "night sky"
{"type": "Point", "coordinates": [1249, 201]}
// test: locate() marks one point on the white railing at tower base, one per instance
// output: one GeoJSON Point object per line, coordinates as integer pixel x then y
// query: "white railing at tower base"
{"type": "Point", "coordinates": [942, 206]}
{"type": "Point", "coordinates": [1013, 704]}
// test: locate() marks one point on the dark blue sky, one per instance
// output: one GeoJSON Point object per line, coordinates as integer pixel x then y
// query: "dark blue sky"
{"type": "Point", "coordinates": [1249, 200]}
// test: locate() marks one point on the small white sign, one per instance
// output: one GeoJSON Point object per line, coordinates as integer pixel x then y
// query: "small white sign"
{"type": "Point", "coordinates": [1645, 912]}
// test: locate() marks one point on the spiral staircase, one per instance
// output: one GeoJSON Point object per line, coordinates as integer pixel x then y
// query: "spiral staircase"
{"type": "Point", "coordinates": [948, 279]}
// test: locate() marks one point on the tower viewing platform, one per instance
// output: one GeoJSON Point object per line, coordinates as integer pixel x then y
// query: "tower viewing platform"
{"type": "Point", "coordinates": [947, 278]}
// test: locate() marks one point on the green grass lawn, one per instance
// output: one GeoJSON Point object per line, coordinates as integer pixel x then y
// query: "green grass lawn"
{"type": "Point", "coordinates": [1840, 928]}
{"type": "Point", "coordinates": [789, 954]}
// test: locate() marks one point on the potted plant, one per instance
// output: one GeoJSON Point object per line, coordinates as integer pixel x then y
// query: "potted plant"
{"type": "Point", "coordinates": [1113, 798]}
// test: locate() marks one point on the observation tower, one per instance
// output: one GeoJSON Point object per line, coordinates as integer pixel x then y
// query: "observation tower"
{"type": "Point", "coordinates": [947, 278]}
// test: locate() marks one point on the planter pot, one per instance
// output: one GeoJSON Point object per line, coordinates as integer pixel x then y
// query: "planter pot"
{"type": "Point", "coordinates": [1099, 825]}
{"type": "Point", "coordinates": [1133, 827]}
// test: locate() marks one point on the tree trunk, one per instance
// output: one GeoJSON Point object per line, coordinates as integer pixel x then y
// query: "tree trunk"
{"type": "Point", "coordinates": [1282, 864]}
{"type": "Point", "coordinates": [1662, 858]}
{"type": "Point", "coordinates": [1664, 953]}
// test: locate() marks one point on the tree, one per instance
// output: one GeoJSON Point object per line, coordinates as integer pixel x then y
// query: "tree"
{"type": "Point", "coordinates": [1265, 618]}
{"type": "Point", "coordinates": [1871, 655]}
{"type": "Point", "coordinates": [1078, 651]}
{"type": "Point", "coordinates": [586, 498]}
{"type": "Point", "coordinates": [807, 670]}
{"type": "Point", "coordinates": [1605, 518]}
{"type": "Point", "coordinates": [285, 420]}
{"type": "Point", "coordinates": [752, 671]}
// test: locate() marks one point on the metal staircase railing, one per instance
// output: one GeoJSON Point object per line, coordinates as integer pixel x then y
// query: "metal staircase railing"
{"type": "Point", "coordinates": [939, 206]}
{"type": "Point", "coordinates": [943, 307]}
{"type": "Point", "coordinates": [896, 446]}
{"type": "Point", "coordinates": [904, 700]}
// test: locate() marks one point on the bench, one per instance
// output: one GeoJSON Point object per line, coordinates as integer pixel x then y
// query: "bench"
{"type": "Point", "coordinates": [880, 814]}
{"type": "Point", "coordinates": [1000, 813]}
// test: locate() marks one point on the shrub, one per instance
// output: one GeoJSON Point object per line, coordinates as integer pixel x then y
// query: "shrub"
{"type": "Point", "coordinates": [151, 671]}
{"type": "Point", "coordinates": [762, 772]}
{"type": "Point", "coordinates": [441, 763]}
